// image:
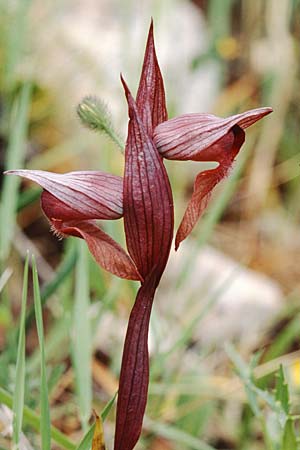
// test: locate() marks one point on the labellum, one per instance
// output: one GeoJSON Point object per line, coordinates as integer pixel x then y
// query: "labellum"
{"type": "Point", "coordinates": [73, 202]}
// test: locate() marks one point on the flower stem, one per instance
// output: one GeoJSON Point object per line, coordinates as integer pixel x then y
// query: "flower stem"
{"type": "Point", "coordinates": [134, 377]}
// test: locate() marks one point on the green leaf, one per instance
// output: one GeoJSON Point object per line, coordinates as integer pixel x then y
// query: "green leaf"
{"type": "Point", "coordinates": [284, 338]}
{"type": "Point", "coordinates": [14, 159]}
{"type": "Point", "coordinates": [107, 407]}
{"type": "Point", "coordinates": [45, 411]}
{"type": "Point", "coordinates": [86, 442]}
{"type": "Point", "coordinates": [252, 391]}
{"type": "Point", "coordinates": [282, 390]}
{"type": "Point", "coordinates": [61, 275]}
{"type": "Point", "coordinates": [18, 399]}
{"type": "Point", "coordinates": [181, 438]}
{"type": "Point", "coordinates": [289, 441]}
{"type": "Point", "coordinates": [81, 337]}
{"type": "Point", "coordinates": [27, 197]}
{"type": "Point", "coordinates": [15, 39]}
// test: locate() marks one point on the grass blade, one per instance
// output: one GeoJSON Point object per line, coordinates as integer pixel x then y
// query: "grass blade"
{"type": "Point", "coordinates": [86, 442]}
{"type": "Point", "coordinates": [45, 412]}
{"type": "Point", "coordinates": [180, 437]}
{"type": "Point", "coordinates": [289, 440]}
{"type": "Point", "coordinates": [15, 158]}
{"type": "Point", "coordinates": [108, 406]}
{"type": "Point", "coordinates": [18, 400]}
{"type": "Point", "coordinates": [62, 273]}
{"type": "Point", "coordinates": [28, 197]}
{"type": "Point", "coordinates": [282, 390]}
{"type": "Point", "coordinates": [81, 337]}
{"type": "Point", "coordinates": [15, 37]}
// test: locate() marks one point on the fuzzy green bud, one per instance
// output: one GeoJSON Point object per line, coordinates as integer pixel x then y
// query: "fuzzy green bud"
{"type": "Point", "coordinates": [94, 114]}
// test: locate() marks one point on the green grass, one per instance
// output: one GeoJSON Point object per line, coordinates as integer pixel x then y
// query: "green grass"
{"type": "Point", "coordinates": [18, 400]}
{"type": "Point", "coordinates": [81, 337]}
{"type": "Point", "coordinates": [15, 158]}
{"type": "Point", "coordinates": [271, 408]}
{"type": "Point", "coordinates": [86, 441]}
{"type": "Point", "coordinates": [33, 420]}
{"type": "Point", "coordinates": [44, 401]}
{"type": "Point", "coordinates": [14, 36]}
{"type": "Point", "coordinates": [181, 438]}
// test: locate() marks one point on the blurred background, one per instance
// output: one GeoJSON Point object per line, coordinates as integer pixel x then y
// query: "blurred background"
{"type": "Point", "coordinates": [231, 292]}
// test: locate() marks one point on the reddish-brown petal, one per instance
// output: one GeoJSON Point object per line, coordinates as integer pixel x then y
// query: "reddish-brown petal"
{"type": "Point", "coordinates": [148, 204]}
{"type": "Point", "coordinates": [134, 377]}
{"type": "Point", "coordinates": [107, 253]}
{"type": "Point", "coordinates": [82, 195]}
{"type": "Point", "coordinates": [187, 137]}
{"type": "Point", "coordinates": [150, 98]}
{"type": "Point", "coordinates": [225, 151]}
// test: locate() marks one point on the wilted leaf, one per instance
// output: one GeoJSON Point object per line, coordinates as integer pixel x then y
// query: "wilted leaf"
{"type": "Point", "coordinates": [98, 439]}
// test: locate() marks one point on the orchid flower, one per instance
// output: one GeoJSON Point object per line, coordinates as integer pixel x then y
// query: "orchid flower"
{"type": "Point", "coordinates": [203, 137]}
{"type": "Point", "coordinates": [74, 201]}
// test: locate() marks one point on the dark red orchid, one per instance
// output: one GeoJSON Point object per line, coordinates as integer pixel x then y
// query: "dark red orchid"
{"type": "Point", "coordinates": [73, 202]}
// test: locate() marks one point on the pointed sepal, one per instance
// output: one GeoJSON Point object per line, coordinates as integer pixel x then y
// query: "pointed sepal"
{"type": "Point", "coordinates": [82, 195]}
{"type": "Point", "coordinates": [190, 136]}
{"type": "Point", "coordinates": [150, 100]}
{"type": "Point", "coordinates": [148, 203]}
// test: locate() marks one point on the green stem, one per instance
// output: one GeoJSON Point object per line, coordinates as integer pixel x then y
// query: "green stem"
{"type": "Point", "coordinates": [117, 140]}
{"type": "Point", "coordinates": [268, 442]}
